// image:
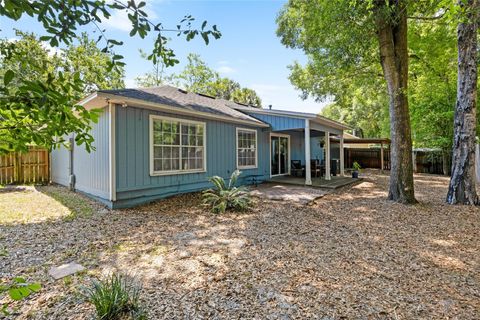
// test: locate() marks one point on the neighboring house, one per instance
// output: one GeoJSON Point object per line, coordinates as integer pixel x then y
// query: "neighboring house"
{"type": "Point", "coordinates": [156, 142]}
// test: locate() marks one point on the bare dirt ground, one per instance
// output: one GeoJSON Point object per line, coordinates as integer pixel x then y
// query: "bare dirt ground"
{"type": "Point", "coordinates": [350, 255]}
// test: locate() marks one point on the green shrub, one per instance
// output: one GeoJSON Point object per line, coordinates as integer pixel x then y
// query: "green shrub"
{"type": "Point", "coordinates": [356, 166]}
{"type": "Point", "coordinates": [115, 297]}
{"type": "Point", "coordinates": [226, 196]}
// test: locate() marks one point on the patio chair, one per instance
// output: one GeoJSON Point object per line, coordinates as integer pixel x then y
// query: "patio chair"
{"type": "Point", "coordinates": [296, 168]}
{"type": "Point", "coordinates": [315, 168]}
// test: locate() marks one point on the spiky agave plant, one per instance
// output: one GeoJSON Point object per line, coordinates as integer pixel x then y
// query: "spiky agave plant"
{"type": "Point", "coordinates": [226, 196]}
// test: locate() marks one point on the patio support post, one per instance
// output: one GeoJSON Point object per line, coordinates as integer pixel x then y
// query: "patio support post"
{"type": "Point", "coordinates": [308, 171]}
{"type": "Point", "coordinates": [327, 156]}
{"type": "Point", "coordinates": [381, 157]}
{"type": "Point", "coordinates": [342, 157]}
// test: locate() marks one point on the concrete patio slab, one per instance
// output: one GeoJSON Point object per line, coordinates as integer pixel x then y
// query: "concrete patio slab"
{"type": "Point", "coordinates": [291, 193]}
{"type": "Point", "coordinates": [65, 270]}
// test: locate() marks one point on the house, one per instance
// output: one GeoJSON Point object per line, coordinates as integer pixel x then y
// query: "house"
{"type": "Point", "coordinates": [155, 142]}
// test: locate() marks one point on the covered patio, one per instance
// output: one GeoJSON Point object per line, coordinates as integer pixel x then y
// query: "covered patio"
{"type": "Point", "coordinates": [301, 149]}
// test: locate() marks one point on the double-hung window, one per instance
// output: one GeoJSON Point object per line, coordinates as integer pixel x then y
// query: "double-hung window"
{"type": "Point", "coordinates": [176, 146]}
{"type": "Point", "coordinates": [246, 148]}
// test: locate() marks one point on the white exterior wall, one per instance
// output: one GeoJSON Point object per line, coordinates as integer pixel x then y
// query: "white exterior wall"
{"type": "Point", "coordinates": [91, 170]}
{"type": "Point", "coordinates": [60, 166]}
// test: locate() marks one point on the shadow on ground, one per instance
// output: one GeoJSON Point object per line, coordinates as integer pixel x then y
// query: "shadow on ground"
{"type": "Point", "coordinates": [352, 254]}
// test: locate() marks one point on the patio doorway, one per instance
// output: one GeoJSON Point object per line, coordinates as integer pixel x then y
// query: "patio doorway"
{"type": "Point", "coordinates": [279, 154]}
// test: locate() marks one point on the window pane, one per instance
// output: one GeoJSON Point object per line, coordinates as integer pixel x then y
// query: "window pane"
{"type": "Point", "coordinates": [199, 153]}
{"type": "Point", "coordinates": [157, 137]}
{"type": "Point", "coordinates": [166, 138]}
{"type": "Point", "coordinates": [176, 164]}
{"type": "Point", "coordinates": [157, 125]}
{"type": "Point", "coordinates": [191, 152]}
{"type": "Point", "coordinates": [157, 152]}
{"type": "Point", "coordinates": [175, 127]}
{"type": "Point", "coordinates": [175, 152]}
{"type": "Point", "coordinates": [176, 139]}
{"type": "Point", "coordinates": [167, 164]}
{"type": "Point", "coordinates": [167, 152]}
{"type": "Point", "coordinates": [191, 140]}
{"type": "Point", "coordinates": [184, 139]}
{"type": "Point", "coordinates": [157, 165]}
{"type": "Point", "coordinates": [191, 163]}
{"type": "Point", "coordinates": [199, 163]}
{"type": "Point", "coordinates": [166, 126]}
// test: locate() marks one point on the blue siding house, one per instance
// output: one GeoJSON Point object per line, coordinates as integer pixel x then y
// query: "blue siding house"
{"type": "Point", "coordinates": [152, 143]}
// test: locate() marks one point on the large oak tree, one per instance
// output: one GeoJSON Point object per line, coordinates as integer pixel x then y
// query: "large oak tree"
{"type": "Point", "coordinates": [462, 183]}
{"type": "Point", "coordinates": [350, 41]}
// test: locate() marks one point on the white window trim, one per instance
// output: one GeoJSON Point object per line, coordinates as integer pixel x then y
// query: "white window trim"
{"type": "Point", "coordinates": [256, 148]}
{"type": "Point", "coordinates": [175, 172]}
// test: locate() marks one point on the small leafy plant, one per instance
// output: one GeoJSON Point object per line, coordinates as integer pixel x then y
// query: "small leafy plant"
{"type": "Point", "coordinates": [226, 196]}
{"type": "Point", "coordinates": [18, 289]}
{"type": "Point", "coordinates": [115, 297]}
{"type": "Point", "coordinates": [356, 166]}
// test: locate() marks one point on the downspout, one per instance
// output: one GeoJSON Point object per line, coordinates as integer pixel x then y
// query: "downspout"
{"type": "Point", "coordinates": [111, 152]}
{"type": "Point", "coordinates": [71, 184]}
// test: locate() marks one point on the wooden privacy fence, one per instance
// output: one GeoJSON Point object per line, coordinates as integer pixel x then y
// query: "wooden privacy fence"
{"type": "Point", "coordinates": [30, 167]}
{"type": "Point", "coordinates": [367, 158]}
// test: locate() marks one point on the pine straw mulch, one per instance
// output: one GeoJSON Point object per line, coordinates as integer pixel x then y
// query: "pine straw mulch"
{"type": "Point", "coordinates": [350, 255]}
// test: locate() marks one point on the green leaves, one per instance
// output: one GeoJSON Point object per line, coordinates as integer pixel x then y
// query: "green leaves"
{"type": "Point", "coordinates": [198, 77]}
{"type": "Point", "coordinates": [39, 103]}
{"type": "Point", "coordinates": [61, 21]}
{"type": "Point", "coordinates": [8, 76]}
{"type": "Point", "coordinates": [226, 196]}
{"type": "Point", "coordinates": [18, 289]}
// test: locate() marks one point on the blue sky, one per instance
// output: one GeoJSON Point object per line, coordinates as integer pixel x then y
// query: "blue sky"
{"type": "Point", "coordinates": [248, 52]}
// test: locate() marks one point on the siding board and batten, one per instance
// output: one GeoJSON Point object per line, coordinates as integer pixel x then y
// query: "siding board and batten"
{"type": "Point", "coordinates": [279, 123]}
{"type": "Point", "coordinates": [91, 170]}
{"type": "Point", "coordinates": [118, 173]}
{"type": "Point", "coordinates": [134, 182]}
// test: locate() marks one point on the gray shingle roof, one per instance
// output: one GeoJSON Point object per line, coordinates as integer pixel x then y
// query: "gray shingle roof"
{"type": "Point", "coordinates": [171, 96]}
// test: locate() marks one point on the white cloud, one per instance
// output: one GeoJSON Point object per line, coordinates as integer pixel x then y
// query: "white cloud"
{"type": "Point", "coordinates": [226, 70]}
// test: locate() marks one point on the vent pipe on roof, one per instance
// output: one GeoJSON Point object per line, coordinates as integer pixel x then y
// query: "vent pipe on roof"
{"type": "Point", "coordinates": [270, 107]}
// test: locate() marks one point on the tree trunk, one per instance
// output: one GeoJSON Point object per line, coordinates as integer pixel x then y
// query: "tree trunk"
{"type": "Point", "coordinates": [392, 38]}
{"type": "Point", "coordinates": [462, 182]}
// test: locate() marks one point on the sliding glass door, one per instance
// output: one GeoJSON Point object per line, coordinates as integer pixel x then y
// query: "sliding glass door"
{"type": "Point", "coordinates": [279, 154]}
